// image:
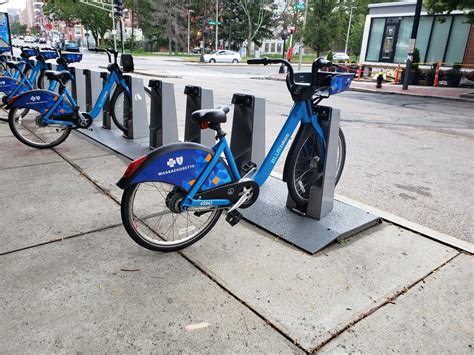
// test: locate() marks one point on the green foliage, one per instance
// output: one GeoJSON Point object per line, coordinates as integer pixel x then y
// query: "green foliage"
{"type": "Point", "coordinates": [17, 29]}
{"type": "Point", "coordinates": [416, 59]}
{"type": "Point", "coordinates": [330, 56]}
{"type": "Point", "coordinates": [440, 6]}
{"type": "Point", "coordinates": [73, 11]}
{"type": "Point", "coordinates": [324, 26]}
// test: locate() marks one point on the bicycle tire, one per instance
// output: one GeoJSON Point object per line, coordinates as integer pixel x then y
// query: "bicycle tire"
{"type": "Point", "coordinates": [297, 187]}
{"type": "Point", "coordinates": [21, 136]}
{"type": "Point", "coordinates": [133, 222]}
{"type": "Point", "coordinates": [114, 109]}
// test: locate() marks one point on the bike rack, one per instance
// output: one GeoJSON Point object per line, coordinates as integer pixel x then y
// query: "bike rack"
{"type": "Point", "coordinates": [248, 129]}
{"type": "Point", "coordinates": [97, 80]}
{"type": "Point", "coordinates": [198, 99]}
{"type": "Point", "coordinates": [325, 220]}
{"type": "Point", "coordinates": [88, 90]}
{"type": "Point", "coordinates": [138, 123]}
{"type": "Point", "coordinates": [163, 120]}
{"type": "Point", "coordinates": [81, 88]}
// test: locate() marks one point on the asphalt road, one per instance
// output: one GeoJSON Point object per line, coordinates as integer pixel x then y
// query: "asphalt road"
{"type": "Point", "coordinates": [411, 156]}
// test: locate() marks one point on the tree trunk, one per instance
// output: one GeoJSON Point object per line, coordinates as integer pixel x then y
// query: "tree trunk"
{"type": "Point", "coordinates": [169, 46]}
{"type": "Point", "coordinates": [132, 42]}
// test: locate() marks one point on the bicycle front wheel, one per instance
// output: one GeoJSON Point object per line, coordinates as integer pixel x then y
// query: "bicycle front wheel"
{"type": "Point", "coordinates": [306, 165]}
{"type": "Point", "coordinates": [120, 107]}
{"type": "Point", "coordinates": [27, 126]}
{"type": "Point", "coordinates": [152, 219]}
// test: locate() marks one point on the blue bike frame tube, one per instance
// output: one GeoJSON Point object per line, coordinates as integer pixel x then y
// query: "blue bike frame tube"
{"type": "Point", "coordinates": [99, 104]}
{"type": "Point", "coordinates": [299, 112]}
{"type": "Point", "coordinates": [30, 81]}
{"type": "Point", "coordinates": [219, 148]}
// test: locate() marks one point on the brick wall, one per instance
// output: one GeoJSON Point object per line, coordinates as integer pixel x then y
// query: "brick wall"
{"type": "Point", "coordinates": [469, 53]}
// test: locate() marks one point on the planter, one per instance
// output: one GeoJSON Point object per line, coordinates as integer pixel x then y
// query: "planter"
{"type": "Point", "coordinates": [453, 79]}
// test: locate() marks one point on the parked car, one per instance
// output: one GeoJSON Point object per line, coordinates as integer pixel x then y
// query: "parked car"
{"type": "Point", "coordinates": [21, 37]}
{"type": "Point", "coordinates": [71, 46]}
{"type": "Point", "coordinates": [340, 56]}
{"type": "Point", "coordinates": [42, 40]}
{"type": "Point", "coordinates": [222, 57]}
{"type": "Point", "coordinates": [29, 39]}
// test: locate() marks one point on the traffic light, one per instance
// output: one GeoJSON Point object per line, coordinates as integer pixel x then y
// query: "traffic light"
{"type": "Point", "coordinates": [202, 22]}
{"type": "Point", "coordinates": [118, 8]}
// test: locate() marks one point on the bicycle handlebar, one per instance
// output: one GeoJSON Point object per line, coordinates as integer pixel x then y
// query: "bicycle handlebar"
{"type": "Point", "coordinates": [109, 52]}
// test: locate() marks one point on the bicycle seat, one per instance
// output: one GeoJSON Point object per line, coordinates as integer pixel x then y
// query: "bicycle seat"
{"type": "Point", "coordinates": [13, 64]}
{"type": "Point", "coordinates": [62, 76]}
{"type": "Point", "coordinates": [217, 115]}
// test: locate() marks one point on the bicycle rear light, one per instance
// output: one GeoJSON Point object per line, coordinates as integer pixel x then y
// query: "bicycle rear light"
{"type": "Point", "coordinates": [133, 166]}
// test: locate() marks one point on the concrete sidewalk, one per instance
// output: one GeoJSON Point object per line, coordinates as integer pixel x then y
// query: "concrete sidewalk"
{"type": "Point", "coordinates": [461, 94]}
{"type": "Point", "coordinates": [73, 281]}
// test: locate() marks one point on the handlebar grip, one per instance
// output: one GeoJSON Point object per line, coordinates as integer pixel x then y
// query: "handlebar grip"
{"type": "Point", "coordinates": [263, 61]}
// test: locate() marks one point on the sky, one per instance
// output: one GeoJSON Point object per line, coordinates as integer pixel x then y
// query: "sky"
{"type": "Point", "coordinates": [12, 4]}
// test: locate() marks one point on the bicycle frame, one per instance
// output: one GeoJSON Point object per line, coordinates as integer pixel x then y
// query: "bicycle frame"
{"type": "Point", "coordinates": [30, 80]}
{"type": "Point", "coordinates": [112, 78]}
{"type": "Point", "coordinates": [302, 111]}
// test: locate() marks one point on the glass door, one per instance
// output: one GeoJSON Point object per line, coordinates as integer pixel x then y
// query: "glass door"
{"type": "Point", "coordinates": [389, 42]}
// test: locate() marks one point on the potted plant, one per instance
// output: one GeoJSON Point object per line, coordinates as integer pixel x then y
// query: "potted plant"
{"type": "Point", "coordinates": [415, 71]}
{"type": "Point", "coordinates": [453, 76]}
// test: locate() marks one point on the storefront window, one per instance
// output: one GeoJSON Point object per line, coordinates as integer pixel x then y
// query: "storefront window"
{"type": "Point", "coordinates": [278, 47]}
{"type": "Point", "coordinates": [272, 48]}
{"type": "Point", "coordinates": [404, 34]}
{"type": "Point", "coordinates": [439, 37]}
{"type": "Point", "coordinates": [375, 41]}
{"type": "Point", "coordinates": [267, 47]}
{"type": "Point", "coordinates": [423, 37]}
{"type": "Point", "coordinates": [457, 40]}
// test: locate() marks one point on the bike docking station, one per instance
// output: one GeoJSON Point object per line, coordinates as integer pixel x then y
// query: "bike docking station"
{"type": "Point", "coordinates": [198, 98]}
{"type": "Point", "coordinates": [325, 219]}
{"type": "Point", "coordinates": [132, 145]}
{"type": "Point", "coordinates": [163, 120]}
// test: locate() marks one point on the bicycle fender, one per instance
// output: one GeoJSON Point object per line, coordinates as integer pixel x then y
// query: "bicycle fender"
{"type": "Point", "coordinates": [179, 164]}
{"type": "Point", "coordinates": [8, 84]}
{"type": "Point", "coordinates": [41, 101]}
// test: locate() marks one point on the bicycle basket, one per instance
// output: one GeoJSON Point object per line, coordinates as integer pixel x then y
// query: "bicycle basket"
{"type": "Point", "coordinates": [30, 52]}
{"type": "Point", "coordinates": [49, 55]}
{"type": "Point", "coordinates": [72, 57]}
{"type": "Point", "coordinates": [340, 83]}
{"type": "Point", "coordinates": [126, 62]}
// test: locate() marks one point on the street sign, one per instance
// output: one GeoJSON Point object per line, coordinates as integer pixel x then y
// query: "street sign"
{"type": "Point", "coordinates": [214, 22]}
{"type": "Point", "coordinates": [299, 6]}
{"type": "Point", "coordinates": [411, 46]}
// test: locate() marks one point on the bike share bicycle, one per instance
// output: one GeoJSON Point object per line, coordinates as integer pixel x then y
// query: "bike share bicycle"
{"type": "Point", "coordinates": [51, 116]}
{"type": "Point", "coordinates": [174, 195]}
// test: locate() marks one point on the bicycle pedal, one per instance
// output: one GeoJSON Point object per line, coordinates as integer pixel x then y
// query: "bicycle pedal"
{"type": "Point", "coordinates": [233, 217]}
{"type": "Point", "coordinates": [248, 166]}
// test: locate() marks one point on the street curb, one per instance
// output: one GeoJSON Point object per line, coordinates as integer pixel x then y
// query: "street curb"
{"type": "Point", "coordinates": [156, 75]}
{"type": "Point", "coordinates": [373, 91]}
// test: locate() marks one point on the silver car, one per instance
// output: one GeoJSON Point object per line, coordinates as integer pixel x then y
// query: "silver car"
{"type": "Point", "coordinates": [224, 56]}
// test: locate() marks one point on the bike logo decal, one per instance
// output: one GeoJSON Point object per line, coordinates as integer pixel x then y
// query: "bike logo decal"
{"type": "Point", "coordinates": [138, 97]}
{"type": "Point", "coordinates": [35, 98]}
{"type": "Point", "coordinates": [280, 148]}
{"type": "Point", "coordinates": [206, 203]}
{"type": "Point", "coordinates": [230, 191]}
{"type": "Point", "coordinates": [172, 162]}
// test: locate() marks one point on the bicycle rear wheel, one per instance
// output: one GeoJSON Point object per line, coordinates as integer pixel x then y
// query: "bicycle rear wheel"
{"type": "Point", "coordinates": [151, 218]}
{"type": "Point", "coordinates": [26, 125]}
{"type": "Point", "coordinates": [120, 106]}
{"type": "Point", "coordinates": [306, 165]}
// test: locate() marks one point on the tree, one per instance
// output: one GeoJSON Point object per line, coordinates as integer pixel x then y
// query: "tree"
{"type": "Point", "coordinates": [249, 20]}
{"type": "Point", "coordinates": [17, 29]}
{"type": "Point", "coordinates": [73, 11]}
{"type": "Point", "coordinates": [440, 6]}
{"type": "Point", "coordinates": [325, 25]}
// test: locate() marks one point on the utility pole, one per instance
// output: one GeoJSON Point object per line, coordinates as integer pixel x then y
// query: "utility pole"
{"type": "Point", "coordinates": [217, 21]}
{"type": "Point", "coordinates": [300, 57]}
{"type": "Point", "coordinates": [189, 23]}
{"type": "Point", "coordinates": [348, 29]}
{"type": "Point", "coordinates": [411, 44]}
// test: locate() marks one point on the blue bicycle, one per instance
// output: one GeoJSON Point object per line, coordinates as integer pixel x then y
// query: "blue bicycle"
{"type": "Point", "coordinates": [51, 116]}
{"type": "Point", "coordinates": [174, 195]}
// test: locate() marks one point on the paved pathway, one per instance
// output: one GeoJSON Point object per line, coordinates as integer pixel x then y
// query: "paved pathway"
{"type": "Point", "coordinates": [72, 280]}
